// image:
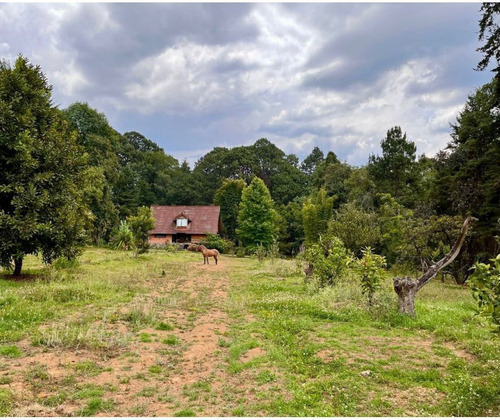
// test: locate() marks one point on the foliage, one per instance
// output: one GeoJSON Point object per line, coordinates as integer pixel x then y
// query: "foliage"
{"type": "Point", "coordinates": [140, 226]}
{"type": "Point", "coordinates": [214, 241]}
{"type": "Point", "coordinates": [123, 238]}
{"type": "Point", "coordinates": [310, 163]}
{"type": "Point", "coordinates": [355, 227]}
{"type": "Point", "coordinates": [256, 217]}
{"type": "Point", "coordinates": [370, 267]}
{"type": "Point", "coordinates": [42, 209]}
{"type": "Point", "coordinates": [395, 171]}
{"type": "Point", "coordinates": [489, 31]}
{"type": "Point", "coordinates": [228, 197]}
{"type": "Point", "coordinates": [485, 285]}
{"type": "Point", "coordinates": [331, 175]}
{"type": "Point", "coordinates": [291, 234]}
{"type": "Point", "coordinates": [329, 259]}
{"type": "Point", "coordinates": [316, 213]}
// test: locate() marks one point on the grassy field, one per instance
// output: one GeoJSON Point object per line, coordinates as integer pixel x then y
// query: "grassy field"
{"type": "Point", "coordinates": [164, 335]}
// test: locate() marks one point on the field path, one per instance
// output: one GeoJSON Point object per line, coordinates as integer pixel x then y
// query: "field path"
{"type": "Point", "coordinates": [174, 362]}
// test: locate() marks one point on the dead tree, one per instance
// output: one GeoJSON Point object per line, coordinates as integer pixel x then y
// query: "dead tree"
{"type": "Point", "coordinates": [407, 288]}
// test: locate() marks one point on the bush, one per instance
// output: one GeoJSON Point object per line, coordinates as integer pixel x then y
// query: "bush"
{"type": "Point", "coordinates": [370, 267]}
{"type": "Point", "coordinates": [485, 285]}
{"type": "Point", "coordinates": [328, 258]}
{"type": "Point", "coordinates": [213, 241]}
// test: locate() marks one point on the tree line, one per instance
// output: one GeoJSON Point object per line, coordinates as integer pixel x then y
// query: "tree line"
{"type": "Point", "coordinates": [69, 174]}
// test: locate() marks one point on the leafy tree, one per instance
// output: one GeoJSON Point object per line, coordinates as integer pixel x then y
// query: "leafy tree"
{"type": "Point", "coordinates": [256, 217]}
{"type": "Point", "coordinates": [291, 234]}
{"type": "Point", "coordinates": [361, 189]}
{"type": "Point", "coordinates": [485, 285]}
{"type": "Point", "coordinates": [331, 175]}
{"type": "Point", "coordinates": [356, 228]}
{"type": "Point", "coordinates": [395, 171]}
{"type": "Point", "coordinates": [371, 268]}
{"type": "Point", "coordinates": [228, 197]}
{"type": "Point", "coordinates": [140, 226]}
{"type": "Point", "coordinates": [41, 202]}
{"type": "Point", "coordinates": [101, 142]}
{"type": "Point", "coordinates": [316, 213]}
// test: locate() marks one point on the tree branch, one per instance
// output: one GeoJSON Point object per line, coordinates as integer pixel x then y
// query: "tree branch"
{"type": "Point", "coordinates": [448, 258]}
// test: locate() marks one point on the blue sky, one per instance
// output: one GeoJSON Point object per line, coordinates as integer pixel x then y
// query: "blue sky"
{"type": "Point", "coordinates": [194, 76]}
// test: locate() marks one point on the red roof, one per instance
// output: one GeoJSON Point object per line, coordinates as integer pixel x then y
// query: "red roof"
{"type": "Point", "coordinates": [204, 219]}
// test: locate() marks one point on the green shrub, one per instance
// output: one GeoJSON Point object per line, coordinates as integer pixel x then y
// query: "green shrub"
{"type": "Point", "coordinates": [329, 259]}
{"type": "Point", "coordinates": [213, 241]}
{"type": "Point", "coordinates": [485, 285]}
{"type": "Point", "coordinates": [370, 267]}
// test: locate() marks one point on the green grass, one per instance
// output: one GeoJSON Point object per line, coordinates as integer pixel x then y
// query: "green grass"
{"type": "Point", "coordinates": [311, 347]}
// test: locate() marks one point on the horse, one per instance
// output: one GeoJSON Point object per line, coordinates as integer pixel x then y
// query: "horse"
{"type": "Point", "coordinates": [208, 253]}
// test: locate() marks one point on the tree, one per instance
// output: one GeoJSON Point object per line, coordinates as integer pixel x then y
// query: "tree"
{"type": "Point", "coordinates": [101, 143]}
{"type": "Point", "coordinates": [41, 189]}
{"type": "Point", "coordinates": [228, 197]}
{"type": "Point", "coordinates": [327, 260]}
{"type": "Point", "coordinates": [394, 171]}
{"type": "Point", "coordinates": [291, 235]}
{"type": "Point", "coordinates": [370, 267]}
{"type": "Point", "coordinates": [311, 162]}
{"type": "Point", "coordinates": [256, 217]}
{"type": "Point", "coordinates": [140, 226]}
{"type": "Point", "coordinates": [489, 31]}
{"type": "Point", "coordinates": [356, 228]}
{"type": "Point", "coordinates": [406, 288]}
{"type": "Point", "coordinates": [316, 213]}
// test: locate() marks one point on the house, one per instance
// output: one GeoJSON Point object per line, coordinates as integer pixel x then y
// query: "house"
{"type": "Point", "coordinates": [184, 224]}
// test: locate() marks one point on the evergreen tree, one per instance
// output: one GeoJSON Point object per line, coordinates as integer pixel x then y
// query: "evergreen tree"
{"type": "Point", "coordinates": [228, 197]}
{"type": "Point", "coordinates": [256, 217]}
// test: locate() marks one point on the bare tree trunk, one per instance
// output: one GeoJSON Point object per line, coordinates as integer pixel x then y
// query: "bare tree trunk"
{"type": "Point", "coordinates": [407, 289]}
{"type": "Point", "coordinates": [18, 265]}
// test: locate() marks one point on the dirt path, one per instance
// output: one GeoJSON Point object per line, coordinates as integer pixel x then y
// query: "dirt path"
{"type": "Point", "coordinates": [180, 367]}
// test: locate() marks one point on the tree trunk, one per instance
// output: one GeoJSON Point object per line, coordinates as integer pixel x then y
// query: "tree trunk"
{"type": "Point", "coordinates": [18, 265]}
{"type": "Point", "coordinates": [407, 289]}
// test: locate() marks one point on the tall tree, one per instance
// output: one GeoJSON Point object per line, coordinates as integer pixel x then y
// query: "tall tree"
{"type": "Point", "coordinates": [489, 32]}
{"type": "Point", "coordinates": [310, 163]}
{"type": "Point", "coordinates": [41, 200]}
{"type": "Point", "coordinates": [316, 212]}
{"type": "Point", "coordinates": [228, 197]}
{"type": "Point", "coordinates": [394, 171]}
{"type": "Point", "coordinates": [101, 142]}
{"type": "Point", "coordinates": [256, 217]}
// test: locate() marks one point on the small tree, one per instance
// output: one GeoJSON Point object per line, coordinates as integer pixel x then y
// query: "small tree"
{"type": "Point", "coordinates": [228, 197]}
{"type": "Point", "coordinates": [370, 267]}
{"type": "Point", "coordinates": [141, 225]}
{"type": "Point", "coordinates": [257, 217]}
{"type": "Point", "coordinates": [485, 285]}
{"type": "Point", "coordinates": [327, 260]}
{"type": "Point", "coordinates": [123, 239]}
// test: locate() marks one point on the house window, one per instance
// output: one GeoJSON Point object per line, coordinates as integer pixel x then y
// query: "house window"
{"type": "Point", "coordinates": [182, 222]}
{"type": "Point", "coordinates": [160, 235]}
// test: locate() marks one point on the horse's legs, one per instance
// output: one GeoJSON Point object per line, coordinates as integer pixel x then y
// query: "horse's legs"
{"type": "Point", "coordinates": [215, 258]}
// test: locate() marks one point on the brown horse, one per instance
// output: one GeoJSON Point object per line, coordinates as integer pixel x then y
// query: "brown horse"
{"type": "Point", "coordinates": [208, 253]}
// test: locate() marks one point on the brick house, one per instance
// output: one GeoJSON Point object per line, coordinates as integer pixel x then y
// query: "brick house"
{"type": "Point", "coordinates": [183, 224]}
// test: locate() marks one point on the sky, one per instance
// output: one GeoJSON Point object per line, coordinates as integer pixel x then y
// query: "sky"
{"type": "Point", "coordinates": [193, 76]}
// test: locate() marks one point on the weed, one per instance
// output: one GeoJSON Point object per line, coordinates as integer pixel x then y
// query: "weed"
{"type": "Point", "coordinates": [171, 340]}
{"type": "Point", "coordinates": [6, 401]}
{"type": "Point", "coordinates": [10, 351]}
{"type": "Point", "coordinates": [149, 391]}
{"type": "Point", "coordinates": [94, 406]}
{"type": "Point", "coordinates": [185, 413]}
{"type": "Point", "coordinates": [162, 326]}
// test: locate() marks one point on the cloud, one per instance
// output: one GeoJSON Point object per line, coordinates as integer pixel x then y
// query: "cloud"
{"type": "Point", "coordinates": [195, 76]}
